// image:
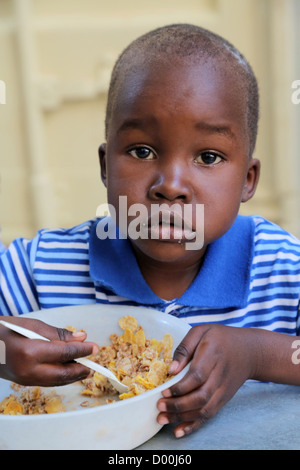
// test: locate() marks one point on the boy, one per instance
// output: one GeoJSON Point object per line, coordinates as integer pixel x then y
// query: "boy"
{"type": "Point", "coordinates": [180, 132]}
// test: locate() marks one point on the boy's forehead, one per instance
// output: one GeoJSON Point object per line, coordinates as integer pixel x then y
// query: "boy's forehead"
{"type": "Point", "coordinates": [204, 84]}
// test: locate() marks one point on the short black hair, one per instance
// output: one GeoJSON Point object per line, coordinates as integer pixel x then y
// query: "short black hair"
{"type": "Point", "coordinates": [188, 42]}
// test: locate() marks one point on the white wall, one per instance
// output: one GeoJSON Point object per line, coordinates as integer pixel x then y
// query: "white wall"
{"type": "Point", "coordinates": [55, 59]}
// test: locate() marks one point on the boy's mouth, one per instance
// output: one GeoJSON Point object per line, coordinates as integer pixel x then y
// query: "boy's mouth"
{"type": "Point", "coordinates": [170, 226]}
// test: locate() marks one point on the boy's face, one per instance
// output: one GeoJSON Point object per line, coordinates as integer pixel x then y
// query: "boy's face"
{"type": "Point", "coordinates": [178, 134]}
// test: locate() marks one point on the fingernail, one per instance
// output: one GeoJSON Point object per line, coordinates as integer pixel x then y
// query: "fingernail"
{"type": "Point", "coordinates": [179, 433]}
{"type": "Point", "coordinates": [163, 420]}
{"type": "Point", "coordinates": [167, 393]}
{"type": "Point", "coordinates": [162, 406]}
{"type": "Point", "coordinates": [95, 349]}
{"type": "Point", "coordinates": [188, 430]}
{"type": "Point", "coordinates": [173, 367]}
{"type": "Point", "coordinates": [78, 334]}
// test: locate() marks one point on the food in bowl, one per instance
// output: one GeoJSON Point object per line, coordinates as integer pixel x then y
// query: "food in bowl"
{"type": "Point", "coordinates": [31, 401]}
{"type": "Point", "coordinates": [140, 363]}
{"type": "Point", "coordinates": [122, 425]}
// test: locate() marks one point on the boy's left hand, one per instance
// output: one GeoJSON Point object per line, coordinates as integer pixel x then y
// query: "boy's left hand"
{"type": "Point", "coordinates": [221, 359]}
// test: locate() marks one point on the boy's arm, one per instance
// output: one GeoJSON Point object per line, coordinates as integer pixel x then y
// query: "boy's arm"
{"type": "Point", "coordinates": [278, 359]}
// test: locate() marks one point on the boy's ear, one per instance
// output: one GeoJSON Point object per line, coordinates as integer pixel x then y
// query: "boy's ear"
{"type": "Point", "coordinates": [102, 161]}
{"type": "Point", "coordinates": [251, 180]}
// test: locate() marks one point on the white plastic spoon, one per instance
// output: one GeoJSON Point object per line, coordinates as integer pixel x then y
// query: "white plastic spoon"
{"type": "Point", "coordinates": [82, 360]}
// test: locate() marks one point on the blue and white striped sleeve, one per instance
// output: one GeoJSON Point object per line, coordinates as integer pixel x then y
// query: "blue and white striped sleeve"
{"type": "Point", "coordinates": [17, 287]}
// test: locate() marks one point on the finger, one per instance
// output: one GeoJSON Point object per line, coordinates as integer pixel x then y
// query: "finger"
{"type": "Point", "coordinates": [68, 336]}
{"type": "Point", "coordinates": [64, 335]}
{"type": "Point", "coordinates": [185, 408]}
{"type": "Point", "coordinates": [54, 364]}
{"type": "Point", "coordinates": [52, 375]}
{"type": "Point", "coordinates": [60, 334]}
{"type": "Point", "coordinates": [201, 367]}
{"type": "Point", "coordinates": [48, 331]}
{"type": "Point", "coordinates": [191, 419]}
{"type": "Point", "coordinates": [193, 379]}
{"type": "Point", "coordinates": [190, 402]}
{"type": "Point", "coordinates": [46, 363]}
{"type": "Point", "coordinates": [42, 328]}
{"type": "Point", "coordinates": [184, 429]}
{"type": "Point", "coordinates": [185, 350]}
{"type": "Point", "coordinates": [59, 351]}
{"type": "Point", "coordinates": [188, 422]}
{"type": "Point", "coordinates": [191, 405]}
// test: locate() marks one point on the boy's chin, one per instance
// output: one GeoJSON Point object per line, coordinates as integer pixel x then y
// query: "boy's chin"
{"type": "Point", "coordinates": [165, 250]}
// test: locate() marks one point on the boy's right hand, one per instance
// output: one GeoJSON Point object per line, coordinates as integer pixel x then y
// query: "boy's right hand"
{"type": "Point", "coordinates": [39, 362]}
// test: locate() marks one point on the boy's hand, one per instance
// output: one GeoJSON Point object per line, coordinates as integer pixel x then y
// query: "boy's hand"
{"type": "Point", "coordinates": [222, 359]}
{"type": "Point", "coordinates": [38, 362]}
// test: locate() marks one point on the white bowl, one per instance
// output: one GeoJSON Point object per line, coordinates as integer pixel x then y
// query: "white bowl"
{"type": "Point", "coordinates": [121, 425]}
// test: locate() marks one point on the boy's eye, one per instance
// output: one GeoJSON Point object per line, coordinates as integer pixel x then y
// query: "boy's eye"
{"type": "Point", "coordinates": [142, 152]}
{"type": "Point", "coordinates": [208, 158]}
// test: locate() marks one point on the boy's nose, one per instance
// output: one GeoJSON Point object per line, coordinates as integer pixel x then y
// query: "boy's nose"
{"type": "Point", "coordinates": [171, 183]}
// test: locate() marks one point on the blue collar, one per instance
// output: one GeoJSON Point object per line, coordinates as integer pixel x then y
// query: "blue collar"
{"type": "Point", "coordinates": [222, 282]}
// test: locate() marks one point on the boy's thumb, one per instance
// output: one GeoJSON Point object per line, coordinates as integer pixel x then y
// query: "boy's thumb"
{"type": "Point", "coordinates": [182, 356]}
{"type": "Point", "coordinates": [184, 352]}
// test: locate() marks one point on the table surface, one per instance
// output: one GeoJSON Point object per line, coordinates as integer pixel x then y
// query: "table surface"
{"type": "Point", "coordinates": [261, 416]}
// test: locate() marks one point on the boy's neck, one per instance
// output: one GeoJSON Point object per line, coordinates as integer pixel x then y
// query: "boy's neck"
{"type": "Point", "coordinates": [168, 280]}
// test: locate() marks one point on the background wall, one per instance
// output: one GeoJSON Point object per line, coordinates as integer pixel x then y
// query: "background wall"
{"type": "Point", "coordinates": [55, 60]}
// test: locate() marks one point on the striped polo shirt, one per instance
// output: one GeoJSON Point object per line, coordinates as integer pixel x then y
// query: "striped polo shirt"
{"type": "Point", "coordinates": [2, 248]}
{"type": "Point", "coordinates": [250, 277]}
